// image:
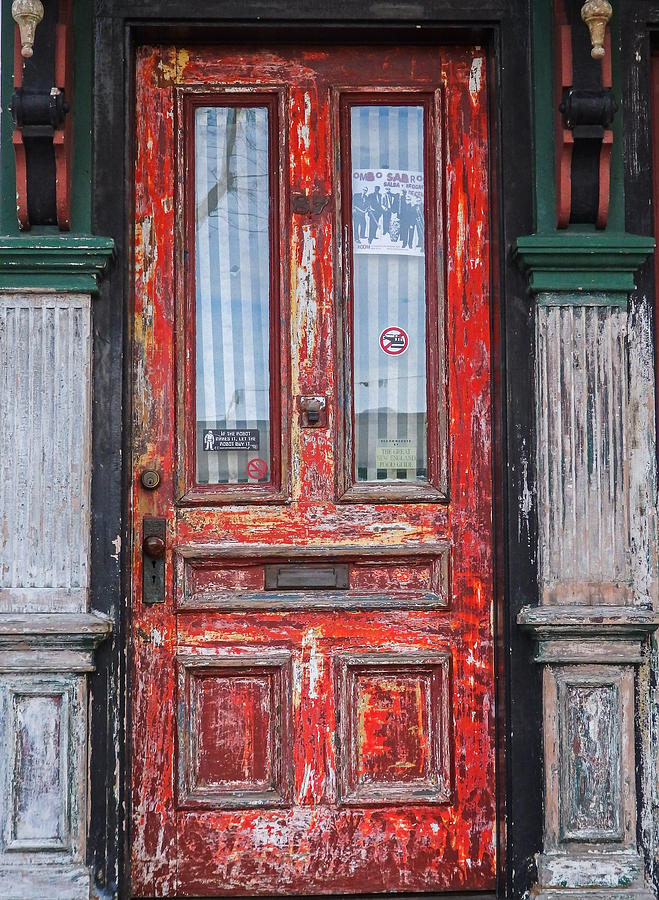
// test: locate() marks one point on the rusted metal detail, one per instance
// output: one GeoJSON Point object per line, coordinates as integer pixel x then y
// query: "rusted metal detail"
{"type": "Point", "coordinates": [215, 664]}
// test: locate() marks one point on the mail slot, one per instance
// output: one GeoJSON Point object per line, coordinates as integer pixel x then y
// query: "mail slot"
{"type": "Point", "coordinates": [304, 577]}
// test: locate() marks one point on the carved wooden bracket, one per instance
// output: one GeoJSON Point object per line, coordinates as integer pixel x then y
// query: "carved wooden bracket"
{"type": "Point", "coordinates": [594, 112]}
{"type": "Point", "coordinates": [43, 121]}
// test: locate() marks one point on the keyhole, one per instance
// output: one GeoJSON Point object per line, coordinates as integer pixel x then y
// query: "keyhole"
{"type": "Point", "coordinates": [153, 576]}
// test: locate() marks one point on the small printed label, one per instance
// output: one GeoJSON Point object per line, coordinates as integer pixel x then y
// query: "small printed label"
{"type": "Point", "coordinates": [396, 453]}
{"type": "Point", "coordinates": [231, 439]}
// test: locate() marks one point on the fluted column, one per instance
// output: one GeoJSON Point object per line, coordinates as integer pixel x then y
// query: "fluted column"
{"type": "Point", "coordinates": [595, 605]}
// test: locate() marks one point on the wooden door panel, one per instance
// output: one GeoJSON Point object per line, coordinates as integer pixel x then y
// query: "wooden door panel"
{"type": "Point", "coordinates": [312, 703]}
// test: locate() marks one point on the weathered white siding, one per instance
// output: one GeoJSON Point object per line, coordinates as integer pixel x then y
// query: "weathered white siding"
{"type": "Point", "coordinates": [583, 486]}
{"type": "Point", "coordinates": [47, 635]}
{"type": "Point", "coordinates": [596, 589]}
{"type": "Point", "coordinates": [44, 467]}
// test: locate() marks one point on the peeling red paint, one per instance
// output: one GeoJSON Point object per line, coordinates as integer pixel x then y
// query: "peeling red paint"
{"type": "Point", "coordinates": [253, 707]}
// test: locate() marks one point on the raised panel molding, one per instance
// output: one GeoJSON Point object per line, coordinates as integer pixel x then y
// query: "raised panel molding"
{"type": "Point", "coordinates": [402, 699]}
{"type": "Point", "coordinates": [590, 750]}
{"type": "Point", "coordinates": [42, 800]}
{"type": "Point", "coordinates": [39, 767]}
{"type": "Point", "coordinates": [235, 729]}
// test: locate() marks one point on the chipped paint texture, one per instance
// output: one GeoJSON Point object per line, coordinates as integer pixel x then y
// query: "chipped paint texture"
{"type": "Point", "coordinates": [583, 491]}
{"type": "Point", "coordinates": [47, 637]}
{"type": "Point", "coordinates": [44, 473]}
{"type": "Point", "coordinates": [596, 526]}
{"type": "Point", "coordinates": [322, 740]}
{"type": "Point", "coordinates": [43, 800]}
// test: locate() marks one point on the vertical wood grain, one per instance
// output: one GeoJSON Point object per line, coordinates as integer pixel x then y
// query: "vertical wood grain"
{"type": "Point", "coordinates": [583, 491]}
{"type": "Point", "coordinates": [45, 472]}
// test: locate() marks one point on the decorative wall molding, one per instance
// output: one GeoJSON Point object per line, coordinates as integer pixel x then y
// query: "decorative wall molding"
{"type": "Point", "coordinates": [47, 633]}
{"type": "Point", "coordinates": [64, 263]}
{"type": "Point", "coordinates": [595, 612]}
{"type": "Point", "coordinates": [583, 263]}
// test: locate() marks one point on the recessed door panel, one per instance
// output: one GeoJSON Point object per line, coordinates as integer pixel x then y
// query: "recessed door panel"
{"type": "Point", "coordinates": [312, 703]}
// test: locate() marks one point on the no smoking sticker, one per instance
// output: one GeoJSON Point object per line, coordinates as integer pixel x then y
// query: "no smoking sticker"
{"type": "Point", "coordinates": [257, 469]}
{"type": "Point", "coordinates": [394, 340]}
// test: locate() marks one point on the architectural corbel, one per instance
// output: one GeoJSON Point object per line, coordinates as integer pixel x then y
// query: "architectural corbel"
{"type": "Point", "coordinates": [583, 119]}
{"type": "Point", "coordinates": [42, 119]}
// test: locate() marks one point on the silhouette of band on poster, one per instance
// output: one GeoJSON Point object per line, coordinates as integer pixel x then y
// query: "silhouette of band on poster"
{"type": "Point", "coordinates": [387, 212]}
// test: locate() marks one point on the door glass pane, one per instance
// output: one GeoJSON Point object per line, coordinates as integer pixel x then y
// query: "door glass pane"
{"type": "Point", "coordinates": [389, 293]}
{"type": "Point", "coordinates": [232, 276]}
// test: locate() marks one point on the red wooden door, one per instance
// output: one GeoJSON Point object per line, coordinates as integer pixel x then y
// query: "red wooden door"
{"type": "Point", "coordinates": [312, 682]}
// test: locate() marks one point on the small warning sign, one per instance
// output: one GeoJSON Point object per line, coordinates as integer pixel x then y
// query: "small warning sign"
{"type": "Point", "coordinates": [231, 439]}
{"type": "Point", "coordinates": [257, 469]}
{"type": "Point", "coordinates": [394, 340]}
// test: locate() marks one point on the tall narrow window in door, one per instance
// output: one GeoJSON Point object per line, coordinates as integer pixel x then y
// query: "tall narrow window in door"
{"type": "Point", "coordinates": [233, 213]}
{"type": "Point", "coordinates": [393, 291]}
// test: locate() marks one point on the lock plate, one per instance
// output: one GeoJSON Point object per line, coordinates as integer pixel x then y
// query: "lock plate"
{"type": "Point", "coordinates": [313, 411]}
{"type": "Point", "coordinates": [153, 567]}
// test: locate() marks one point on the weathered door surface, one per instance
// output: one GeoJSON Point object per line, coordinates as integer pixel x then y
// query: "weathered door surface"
{"type": "Point", "coordinates": [311, 644]}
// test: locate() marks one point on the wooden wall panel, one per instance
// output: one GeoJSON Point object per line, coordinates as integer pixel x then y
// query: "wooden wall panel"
{"type": "Point", "coordinates": [42, 786]}
{"type": "Point", "coordinates": [39, 745]}
{"type": "Point", "coordinates": [47, 635]}
{"type": "Point", "coordinates": [591, 723]}
{"type": "Point", "coordinates": [45, 472]}
{"type": "Point", "coordinates": [583, 491]}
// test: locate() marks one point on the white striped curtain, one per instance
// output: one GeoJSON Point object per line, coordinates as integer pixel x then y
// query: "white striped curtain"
{"type": "Point", "coordinates": [232, 258]}
{"type": "Point", "coordinates": [390, 397]}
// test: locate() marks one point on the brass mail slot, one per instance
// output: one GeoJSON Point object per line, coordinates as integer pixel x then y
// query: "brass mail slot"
{"type": "Point", "coordinates": [305, 577]}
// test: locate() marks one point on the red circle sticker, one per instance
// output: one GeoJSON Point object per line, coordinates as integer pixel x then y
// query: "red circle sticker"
{"type": "Point", "coordinates": [257, 469]}
{"type": "Point", "coordinates": [394, 340]}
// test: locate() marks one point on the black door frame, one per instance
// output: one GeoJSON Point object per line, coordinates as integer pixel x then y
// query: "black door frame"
{"type": "Point", "coordinates": [504, 28]}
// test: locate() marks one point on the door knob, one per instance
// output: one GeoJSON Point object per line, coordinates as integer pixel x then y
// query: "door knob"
{"type": "Point", "coordinates": [154, 546]}
{"type": "Point", "coordinates": [153, 561]}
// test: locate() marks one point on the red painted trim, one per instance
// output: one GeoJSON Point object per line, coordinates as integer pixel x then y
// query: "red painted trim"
{"type": "Point", "coordinates": [63, 138]}
{"type": "Point", "coordinates": [19, 146]}
{"type": "Point", "coordinates": [604, 198]}
{"type": "Point", "coordinates": [564, 141]}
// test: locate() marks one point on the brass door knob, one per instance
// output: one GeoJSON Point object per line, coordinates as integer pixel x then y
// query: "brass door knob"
{"type": "Point", "coordinates": [154, 546]}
